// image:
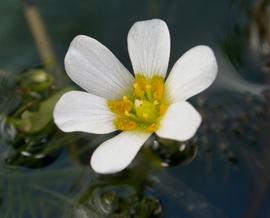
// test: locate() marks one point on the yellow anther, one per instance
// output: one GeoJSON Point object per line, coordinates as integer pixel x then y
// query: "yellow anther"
{"type": "Point", "coordinates": [127, 113]}
{"type": "Point", "coordinates": [120, 106]}
{"type": "Point", "coordinates": [144, 108]}
{"type": "Point", "coordinates": [149, 93]}
{"type": "Point", "coordinates": [153, 127]}
{"type": "Point", "coordinates": [139, 85]}
{"type": "Point", "coordinates": [125, 124]}
{"type": "Point", "coordinates": [148, 87]}
{"type": "Point", "coordinates": [162, 109]}
{"type": "Point", "coordinates": [157, 87]}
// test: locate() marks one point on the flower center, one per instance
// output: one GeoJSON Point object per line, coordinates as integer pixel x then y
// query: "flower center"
{"type": "Point", "coordinates": [143, 108]}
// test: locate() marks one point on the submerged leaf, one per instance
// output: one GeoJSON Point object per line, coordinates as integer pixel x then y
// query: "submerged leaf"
{"type": "Point", "coordinates": [33, 122]}
{"type": "Point", "coordinates": [44, 115]}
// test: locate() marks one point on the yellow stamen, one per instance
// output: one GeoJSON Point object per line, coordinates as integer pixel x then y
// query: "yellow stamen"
{"type": "Point", "coordinates": [139, 86]}
{"type": "Point", "coordinates": [127, 113]}
{"type": "Point", "coordinates": [162, 109]}
{"type": "Point", "coordinates": [135, 85]}
{"type": "Point", "coordinates": [155, 102]}
{"type": "Point", "coordinates": [125, 124]}
{"type": "Point", "coordinates": [157, 87]}
{"type": "Point", "coordinates": [143, 108]}
{"type": "Point", "coordinates": [153, 127]}
{"type": "Point", "coordinates": [120, 106]}
{"type": "Point", "coordinates": [148, 87]}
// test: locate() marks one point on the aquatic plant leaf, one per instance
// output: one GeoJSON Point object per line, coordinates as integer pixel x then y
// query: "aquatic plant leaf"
{"type": "Point", "coordinates": [38, 120]}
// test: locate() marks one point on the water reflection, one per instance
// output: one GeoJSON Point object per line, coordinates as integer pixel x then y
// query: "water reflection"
{"type": "Point", "coordinates": [129, 194]}
{"type": "Point", "coordinates": [117, 200]}
{"type": "Point", "coordinates": [173, 153]}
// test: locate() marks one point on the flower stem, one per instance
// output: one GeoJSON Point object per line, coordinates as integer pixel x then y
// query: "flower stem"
{"type": "Point", "coordinates": [39, 33]}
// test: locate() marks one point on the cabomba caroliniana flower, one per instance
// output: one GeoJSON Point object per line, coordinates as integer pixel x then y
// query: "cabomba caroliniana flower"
{"type": "Point", "coordinates": [140, 105]}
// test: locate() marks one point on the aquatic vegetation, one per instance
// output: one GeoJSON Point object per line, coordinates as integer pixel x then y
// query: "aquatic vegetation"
{"type": "Point", "coordinates": [140, 106]}
{"type": "Point", "coordinates": [28, 135]}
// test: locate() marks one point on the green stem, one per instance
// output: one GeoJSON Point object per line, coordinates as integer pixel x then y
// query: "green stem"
{"type": "Point", "coordinates": [39, 33]}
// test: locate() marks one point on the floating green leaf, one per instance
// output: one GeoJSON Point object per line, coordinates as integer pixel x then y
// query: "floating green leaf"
{"type": "Point", "coordinates": [33, 122]}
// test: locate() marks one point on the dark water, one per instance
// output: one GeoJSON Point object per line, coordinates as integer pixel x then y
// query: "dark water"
{"type": "Point", "coordinates": [222, 172]}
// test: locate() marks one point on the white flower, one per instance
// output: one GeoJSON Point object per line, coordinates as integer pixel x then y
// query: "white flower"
{"type": "Point", "coordinates": [139, 106]}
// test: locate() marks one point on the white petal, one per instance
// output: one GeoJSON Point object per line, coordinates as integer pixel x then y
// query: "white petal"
{"type": "Point", "coordinates": [81, 111]}
{"type": "Point", "coordinates": [117, 153]}
{"type": "Point", "coordinates": [192, 73]}
{"type": "Point", "coordinates": [149, 47]}
{"type": "Point", "coordinates": [180, 122]}
{"type": "Point", "coordinates": [93, 67]}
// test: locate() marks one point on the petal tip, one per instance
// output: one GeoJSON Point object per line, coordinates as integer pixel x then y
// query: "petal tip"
{"type": "Point", "coordinates": [57, 112]}
{"type": "Point", "coordinates": [193, 72]}
{"type": "Point", "coordinates": [208, 53]}
{"type": "Point", "coordinates": [75, 41]}
{"type": "Point", "coordinates": [197, 124]}
{"type": "Point", "coordinates": [100, 168]}
{"type": "Point", "coordinates": [149, 47]}
{"type": "Point", "coordinates": [180, 123]}
{"type": "Point", "coordinates": [155, 21]}
{"type": "Point", "coordinates": [197, 120]}
{"type": "Point", "coordinates": [117, 153]}
{"type": "Point", "coordinates": [78, 111]}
